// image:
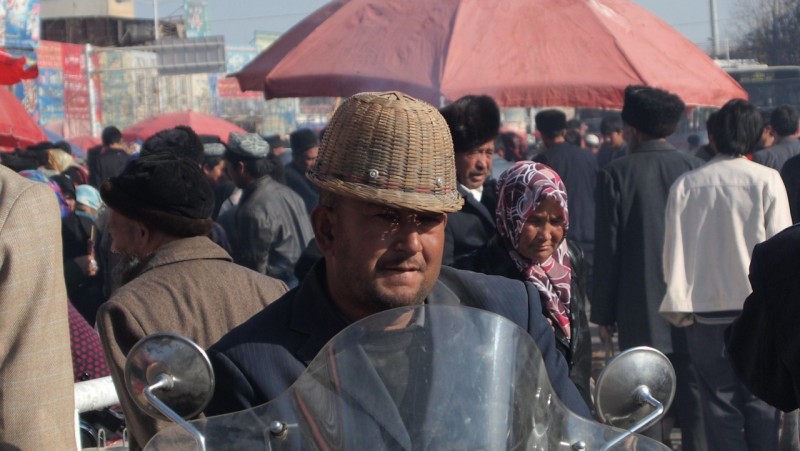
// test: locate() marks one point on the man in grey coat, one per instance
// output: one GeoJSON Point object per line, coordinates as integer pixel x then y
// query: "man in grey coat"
{"type": "Point", "coordinates": [272, 225]}
{"type": "Point", "coordinates": [631, 197]}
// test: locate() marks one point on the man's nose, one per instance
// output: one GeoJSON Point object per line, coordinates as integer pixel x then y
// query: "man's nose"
{"type": "Point", "coordinates": [406, 237]}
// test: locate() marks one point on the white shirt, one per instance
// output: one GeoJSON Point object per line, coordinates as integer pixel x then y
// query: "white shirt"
{"type": "Point", "coordinates": [715, 215]}
{"type": "Point", "coordinates": [477, 193]}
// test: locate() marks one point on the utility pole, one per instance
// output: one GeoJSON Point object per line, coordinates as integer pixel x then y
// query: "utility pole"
{"type": "Point", "coordinates": [155, 19]}
{"type": "Point", "coordinates": [714, 29]}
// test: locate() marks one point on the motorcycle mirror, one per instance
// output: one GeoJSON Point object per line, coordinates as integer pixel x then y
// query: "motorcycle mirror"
{"type": "Point", "coordinates": [165, 370]}
{"type": "Point", "coordinates": [635, 389]}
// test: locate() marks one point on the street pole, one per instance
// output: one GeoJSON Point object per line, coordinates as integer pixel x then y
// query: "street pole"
{"type": "Point", "coordinates": [92, 94]}
{"type": "Point", "coordinates": [155, 19]}
{"type": "Point", "coordinates": [714, 29]}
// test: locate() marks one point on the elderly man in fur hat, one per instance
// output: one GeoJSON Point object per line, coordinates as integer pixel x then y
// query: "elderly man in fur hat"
{"type": "Point", "coordinates": [305, 147]}
{"type": "Point", "coordinates": [474, 123]}
{"type": "Point", "coordinates": [631, 197]}
{"type": "Point", "coordinates": [386, 189]}
{"type": "Point", "coordinates": [177, 280]}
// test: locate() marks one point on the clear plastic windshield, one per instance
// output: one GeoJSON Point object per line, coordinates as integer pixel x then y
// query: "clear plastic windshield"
{"type": "Point", "coordinates": [417, 378]}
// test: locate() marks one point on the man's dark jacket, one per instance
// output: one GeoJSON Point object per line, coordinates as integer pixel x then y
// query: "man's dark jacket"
{"type": "Point", "coordinates": [105, 162]}
{"type": "Point", "coordinates": [631, 198]}
{"type": "Point", "coordinates": [780, 152]}
{"type": "Point", "coordinates": [297, 181]}
{"type": "Point", "coordinates": [471, 227]}
{"type": "Point", "coordinates": [261, 358]}
{"type": "Point", "coordinates": [763, 343]}
{"type": "Point", "coordinates": [791, 179]}
{"type": "Point", "coordinates": [578, 170]}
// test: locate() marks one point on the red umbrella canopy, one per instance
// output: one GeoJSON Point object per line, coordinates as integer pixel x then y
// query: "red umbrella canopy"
{"type": "Point", "coordinates": [17, 127]}
{"type": "Point", "coordinates": [578, 53]}
{"type": "Point", "coordinates": [202, 124]}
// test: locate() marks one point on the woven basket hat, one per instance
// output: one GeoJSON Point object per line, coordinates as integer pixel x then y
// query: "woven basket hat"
{"type": "Point", "coordinates": [391, 149]}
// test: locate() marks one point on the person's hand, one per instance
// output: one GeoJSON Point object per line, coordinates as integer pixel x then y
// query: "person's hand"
{"type": "Point", "coordinates": [87, 264]}
{"type": "Point", "coordinates": [606, 332]}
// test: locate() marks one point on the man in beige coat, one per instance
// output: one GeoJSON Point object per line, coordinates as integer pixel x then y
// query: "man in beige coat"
{"type": "Point", "coordinates": [174, 278]}
{"type": "Point", "coordinates": [36, 390]}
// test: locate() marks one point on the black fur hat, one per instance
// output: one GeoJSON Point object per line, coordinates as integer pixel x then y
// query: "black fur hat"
{"type": "Point", "coordinates": [473, 120]}
{"type": "Point", "coordinates": [181, 141]}
{"type": "Point", "coordinates": [652, 111]}
{"type": "Point", "coordinates": [551, 122]}
{"type": "Point", "coordinates": [302, 139]}
{"type": "Point", "coordinates": [165, 192]}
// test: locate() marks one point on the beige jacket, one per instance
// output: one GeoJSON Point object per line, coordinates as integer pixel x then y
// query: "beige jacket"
{"type": "Point", "coordinates": [189, 287]}
{"type": "Point", "coordinates": [36, 387]}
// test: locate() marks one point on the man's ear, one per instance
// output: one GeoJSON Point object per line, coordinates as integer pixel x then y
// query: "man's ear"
{"type": "Point", "coordinates": [322, 221]}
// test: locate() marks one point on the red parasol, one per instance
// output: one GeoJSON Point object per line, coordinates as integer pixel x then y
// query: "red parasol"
{"type": "Point", "coordinates": [579, 53]}
{"type": "Point", "coordinates": [17, 127]}
{"type": "Point", "coordinates": [202, 124]}
{"type": "Point", "coordinates": [13, 70]}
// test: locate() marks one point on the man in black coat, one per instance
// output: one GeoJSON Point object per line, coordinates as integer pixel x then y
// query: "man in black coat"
{"type": "Point", "coordinates": [380, 227]}
{"type": "Point", "coordinates": [631, 198]}
{"type": "Point", "coordinates": [305, 147]}
{"type": "Point", "coordinates": [109, 159]}
{"type": "Point", "coordinates": [762, 343]}
{"type": "Point", "coordinates": [784, 122]}
{"type": "Point", "coordinates": [578, 169]}
{"type": "Point", "coordinates": [474, 123]}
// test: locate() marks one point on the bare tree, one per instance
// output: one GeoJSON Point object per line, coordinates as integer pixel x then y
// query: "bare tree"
{"type": "Point", "coordinates": [770, 31]}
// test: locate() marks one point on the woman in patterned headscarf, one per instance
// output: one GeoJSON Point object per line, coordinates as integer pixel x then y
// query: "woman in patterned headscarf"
{"type": "Point", "coordinates": [531, 245]}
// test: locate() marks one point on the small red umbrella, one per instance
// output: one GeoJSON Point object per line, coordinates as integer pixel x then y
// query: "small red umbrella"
{"type": "Point", "coordinates": [580, 53]}
{"type": "Point", "coordinates": [202, 124]}
{"type": "Point", "coordinates": [17, 127]}
{"type": "Point", "coordinates": [13, 70]}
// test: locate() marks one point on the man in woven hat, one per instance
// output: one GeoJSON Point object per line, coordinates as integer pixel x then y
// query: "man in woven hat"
{"type": "Point", "coordinates": [387, 187]}
{"type": "Point", "coordinates": [271, 222]}
{"type": "Point", "coordinates": [474, 123]}
{"type": "Point", "coordinates": [178, 280]}
{"type": "Point", "coordinates": [631, 197]}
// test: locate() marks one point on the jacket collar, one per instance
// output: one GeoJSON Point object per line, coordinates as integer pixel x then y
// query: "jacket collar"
{"type": "Point", "coordinates": [470, 201]}
{"type": "Point", "coordinates": [654, 145]}
{"type": "Point", "coordinates": [183, 249]}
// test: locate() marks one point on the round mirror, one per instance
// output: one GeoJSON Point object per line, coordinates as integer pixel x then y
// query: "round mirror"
{"type": "Point", "coordinates": [616, 399]}
{"type": "Point", "coordinates": [182, 361]}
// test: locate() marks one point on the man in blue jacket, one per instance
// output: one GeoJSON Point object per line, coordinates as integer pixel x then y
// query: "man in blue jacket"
{"type": "Point", "coordinates": [387, 180]}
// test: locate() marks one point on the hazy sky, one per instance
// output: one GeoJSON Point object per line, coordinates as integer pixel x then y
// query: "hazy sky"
{"type": "Point", "coordinates": [238, 19]}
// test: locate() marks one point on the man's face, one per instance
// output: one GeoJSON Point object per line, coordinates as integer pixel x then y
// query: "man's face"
{"type": "Point", "coordinates": [216, 174]}
{"type": "Point", "coordinates": [235, 172]}
{"type": "Point", "coordinates": [613, 139]}
{"type": "Point", "coordinates": [378, 257]}
{"type": "Point", "coordinates": [305, 160]}
{"type": "Point", "coordinates": [474, 166]}
{"type": "Point", "coordinates": [278, 151]}
{"type": "Point", "coordinates": [126, 236]}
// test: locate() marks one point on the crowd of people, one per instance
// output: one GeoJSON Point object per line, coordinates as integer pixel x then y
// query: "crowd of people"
{"type": "Point", "coordinates": [261, 254]}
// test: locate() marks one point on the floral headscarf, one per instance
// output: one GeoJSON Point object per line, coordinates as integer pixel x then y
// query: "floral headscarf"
{"type": "Point", "coordinates": [521, 189]}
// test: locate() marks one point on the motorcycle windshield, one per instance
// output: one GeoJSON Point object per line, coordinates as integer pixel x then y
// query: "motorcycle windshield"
{"type": "Point", "coordinates": [414, 378]}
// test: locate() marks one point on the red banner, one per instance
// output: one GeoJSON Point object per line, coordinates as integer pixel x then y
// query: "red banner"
{"type": "Point", "coordinates": [76, 90]}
